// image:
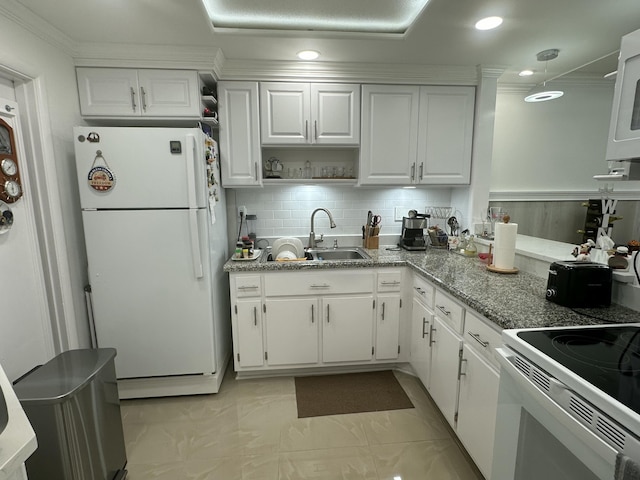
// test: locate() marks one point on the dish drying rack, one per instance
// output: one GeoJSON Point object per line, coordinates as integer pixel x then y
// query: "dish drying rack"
{"type": "Point", "coordinates": [439, 212]}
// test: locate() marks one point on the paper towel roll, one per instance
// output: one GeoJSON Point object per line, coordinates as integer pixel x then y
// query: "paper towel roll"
{"type": "Point", "coordinates": [504, 253]}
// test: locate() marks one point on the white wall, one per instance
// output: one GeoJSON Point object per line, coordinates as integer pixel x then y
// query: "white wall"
{"type": "Point", "coordinates": [551, 146]}
{"type": "Point", "coordinates": [28, 54]}
{"type": "Point", "coordinates": [286, 210]}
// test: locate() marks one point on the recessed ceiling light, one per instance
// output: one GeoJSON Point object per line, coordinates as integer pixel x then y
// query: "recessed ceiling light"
{"type": "Point", "coordinates": [526, 73]}
{"type": "Point", "coordinates": [308, 54]}
{"type": "Point", "coordinates": [488, 23]}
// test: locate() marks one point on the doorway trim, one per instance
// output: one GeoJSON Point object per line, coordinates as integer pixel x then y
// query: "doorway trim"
{"type": "Point", "coordinates": [44, 188]}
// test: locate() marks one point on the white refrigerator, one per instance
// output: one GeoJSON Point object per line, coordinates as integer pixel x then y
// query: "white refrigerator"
{"type": "Point", "coordinates": [155, 230]}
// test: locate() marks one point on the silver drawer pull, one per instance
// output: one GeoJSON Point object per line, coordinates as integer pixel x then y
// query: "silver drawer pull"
{"type": "Point", "coordinates": [431, 330]}
{"type": "Point", "coordinates": [419, 290]}
{"type": "Point", "coordinates": [248, 287]}
{"type": "Point", "coordinates": [477, 338]}
{"type": "Point", "coordinates": [320, 285]}
{"type": "Point", "coordinates": [255, 316]}
{"type": "Point", "coordinates": [443, 310]}
{"type": "Point", "coordinates": [395, 282]}
{"type": "Point", "coordinates": [382, 311]}
{"type": "Point", "coordinates": [312, 315]}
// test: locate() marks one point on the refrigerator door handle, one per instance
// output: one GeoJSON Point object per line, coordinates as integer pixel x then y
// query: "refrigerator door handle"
{"type": "Point", "coordinates": [196, 254]}
{"type": "Point", "coordinates": [192, 158]}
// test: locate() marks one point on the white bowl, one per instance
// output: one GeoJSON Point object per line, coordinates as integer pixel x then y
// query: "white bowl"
{"type": "Point", "coordinates": [286, 255]}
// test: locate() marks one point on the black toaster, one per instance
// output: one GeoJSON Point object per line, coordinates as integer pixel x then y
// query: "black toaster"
{"type": "Point", "coordinates": [579, 284]}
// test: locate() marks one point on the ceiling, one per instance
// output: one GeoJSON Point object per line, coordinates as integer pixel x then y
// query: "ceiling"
{"type": "Point", "coordinates": [443, 35]}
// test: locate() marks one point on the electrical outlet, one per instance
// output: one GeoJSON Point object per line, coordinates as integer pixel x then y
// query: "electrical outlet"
{"type": "Point", "coordinates": [242, 210]}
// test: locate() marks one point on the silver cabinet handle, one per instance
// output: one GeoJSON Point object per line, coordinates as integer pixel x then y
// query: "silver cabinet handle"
{"type": "Point", "coordinates": [255, 316]}
{"type": "Point", "coordinates": [383, 311]}
{"type": "Point", "coordinates": [477, 338]}
{"type": "Point", "coordinates": [431, 330]}
{"type": "Point", "coordinates": [306, 129]}
{"type": "Point", "coordinates": [255, 168]}
{"type": "Point", "coordinates": [424, 322]}
{"type": "Point", "coordinates": [320, 285]}
{"type": "Point", "coordinates": [395, 282]}
{"type": "Point", "coordinates": [133, 99]}
{"type": "Point", "coordinates": [419, 290]}
{"type": "Point", "coordinates": [443, 310]}
{"type": "Point", "coordinates": [413, 171]}
{"type": "Point", "coordinates": [328, 314]}
{"type": "Point", "coordinates": [312, 315]}
{"type": "Point", "coordinates": [143, 99]}
{"type": "Point", "coordinates": [460, 372]}
{"type": "Point", "coordinates": [421, 169]}
{"type": "Point", "coordinates": [247, 287]}
{"type": "Point", "coordinates": [315, 128]}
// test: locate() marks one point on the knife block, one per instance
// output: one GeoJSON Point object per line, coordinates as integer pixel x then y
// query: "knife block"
{"type": "Point", "coordinates": [371, 238]}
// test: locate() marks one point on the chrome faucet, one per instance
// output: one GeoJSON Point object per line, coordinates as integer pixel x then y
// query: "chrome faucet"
{"type": "Point", "coordinates": [313, 241]}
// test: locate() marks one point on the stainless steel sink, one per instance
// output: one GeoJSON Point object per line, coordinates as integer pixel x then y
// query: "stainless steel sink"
{"type": "Point", "coordinates": [340, 253]}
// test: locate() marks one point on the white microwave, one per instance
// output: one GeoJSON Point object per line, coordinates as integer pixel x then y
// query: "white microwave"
{"type": "Point", "coordinates": [624, 130]}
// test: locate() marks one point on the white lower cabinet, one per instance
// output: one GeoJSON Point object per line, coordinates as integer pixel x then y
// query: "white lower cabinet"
{"type": "Point", "coordinates": [477, 408]}
{"type": "Point", "coordinates": [388, 313]}
{"type": "Point", "coordinates": [291, 339]}
{"type": "Point", "coordinates": [247, 327]}
{"type": "Point", "coordinates": [421, 325]}
{"type": "Point", "coordinates": [445, 360]}
{"type": "Point", "coordinates": [347, 328]}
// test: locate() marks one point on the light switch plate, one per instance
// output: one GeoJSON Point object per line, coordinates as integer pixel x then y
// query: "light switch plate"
{"type": "Point", "coordinates": [399, 213]}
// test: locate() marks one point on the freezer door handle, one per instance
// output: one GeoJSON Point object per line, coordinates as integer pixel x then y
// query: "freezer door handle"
{"type": "Point", "coordinates": [196, 255]}
{"type": "Point", "coordinates": [192, 158]}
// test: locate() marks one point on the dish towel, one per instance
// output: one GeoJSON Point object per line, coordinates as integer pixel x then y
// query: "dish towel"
{"type": "Point", "coordinates": [626, 468]}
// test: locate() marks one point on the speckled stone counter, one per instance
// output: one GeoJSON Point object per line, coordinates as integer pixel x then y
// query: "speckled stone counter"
{"type": "Point", "coordinates": [508, 300]}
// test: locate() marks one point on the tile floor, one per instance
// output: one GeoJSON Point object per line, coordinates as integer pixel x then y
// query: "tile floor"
{"type": "Point", "coordinates": [250, 431]}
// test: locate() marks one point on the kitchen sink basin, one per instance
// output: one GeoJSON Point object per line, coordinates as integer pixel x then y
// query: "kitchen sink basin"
{"type": "Point", "coordinates": [340, 253]}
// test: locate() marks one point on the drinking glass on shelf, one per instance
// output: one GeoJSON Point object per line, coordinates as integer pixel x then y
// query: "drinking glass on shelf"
{"type": "Point", "coordinates": [334, 172]}
{"type": "Point", "coordinates": [340, 172]}
{"type": "Point", "coordinates": [325, 172]}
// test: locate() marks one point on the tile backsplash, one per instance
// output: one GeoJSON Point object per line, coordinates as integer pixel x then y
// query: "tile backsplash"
{"type": "Point", "coordinates": [286, 210]}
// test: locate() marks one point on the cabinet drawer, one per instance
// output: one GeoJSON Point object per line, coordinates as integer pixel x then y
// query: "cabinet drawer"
{"type": "Point", "coordinates": [423, 290]}
{"type": "Point", "coordinates": [246, 286]}
{"type": "Point", "coordinates": [450, 311]}
{"type": "Point", "coordinates": [481, 336]}
{"type": "Point", "coordinates": [389, 281]}
{"type": "Point", "coordinates": [318, 283]}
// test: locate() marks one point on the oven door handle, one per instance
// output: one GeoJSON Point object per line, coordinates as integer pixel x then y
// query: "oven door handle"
{"type": "Point", "coordinates": [562, 424]}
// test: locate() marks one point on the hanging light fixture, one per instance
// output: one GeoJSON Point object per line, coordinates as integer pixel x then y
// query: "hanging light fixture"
{"type": "Point", "coordinates": [541, 93]}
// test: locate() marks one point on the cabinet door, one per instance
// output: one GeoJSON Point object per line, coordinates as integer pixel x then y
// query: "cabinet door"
{"type": "Point", "coordinates": [285, 113]}
{"type": "Point", "coordinates": [335, 114]}
{"type": "Point", "coordinates": [108, 91]}
{"type": "Point", "coordinates": [387, 327]}
{"type": "Point", "coordinates": [347, 328]}
{"type": "Point", "coordinates": [291, 326]}
{"type": "Point", "coordinates": [247, 334]}
{"type": "Point", "coordinates": [240, 153]}
{"type": "Point", "coordinates": [445, 135]}
{"type": "Point", "coordinates": [421, 323]}
{"type": "Point", "coordinates": [445, 360]}
{"type": "Point", "coordinates": [389, 134]}
{"type": "Point", "coordinates": [169, 93]}
{"type": "Point", "coordinates": [477, 408]}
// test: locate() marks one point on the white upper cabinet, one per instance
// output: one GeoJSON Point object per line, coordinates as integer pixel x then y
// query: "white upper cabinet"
{"type": "Point", "coordinates": [240, 153]}
{"type": "Point", "coordinates": [388, 150]}
{"type": "Point", "coordinates": [416, 135]}
{"type": "Point", "coordinates": [124, 92]}
{"type": "Point", "coordinates": [305, 114]}
{"type": "Point", "coordinates": [445, 135]}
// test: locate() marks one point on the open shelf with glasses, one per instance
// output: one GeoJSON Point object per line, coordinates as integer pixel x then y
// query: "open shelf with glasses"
{"type": "Point", "coordinates": [325, 165]}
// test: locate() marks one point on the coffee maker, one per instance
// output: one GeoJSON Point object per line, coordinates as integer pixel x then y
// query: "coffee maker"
{"type": "Point", "coordinates": [413, 228]}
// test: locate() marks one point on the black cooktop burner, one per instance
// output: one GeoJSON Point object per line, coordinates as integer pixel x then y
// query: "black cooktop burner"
{"type": "Point", "coordinates": [608, 357]}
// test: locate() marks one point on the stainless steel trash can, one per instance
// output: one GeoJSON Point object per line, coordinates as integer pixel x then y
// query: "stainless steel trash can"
{"type": "Point", "coordinates": [73, 405]}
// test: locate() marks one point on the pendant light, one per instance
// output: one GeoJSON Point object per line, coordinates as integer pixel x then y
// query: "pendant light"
{"type": "Point", "coordinates": [541, 93]}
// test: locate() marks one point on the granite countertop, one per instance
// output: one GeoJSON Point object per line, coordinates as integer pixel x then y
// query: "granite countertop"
{"type": "Point", "coordinates": [508, 300]}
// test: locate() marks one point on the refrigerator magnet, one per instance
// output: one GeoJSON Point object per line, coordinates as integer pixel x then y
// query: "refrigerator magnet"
{"type": "Point", "coordinates": [100, 177]}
